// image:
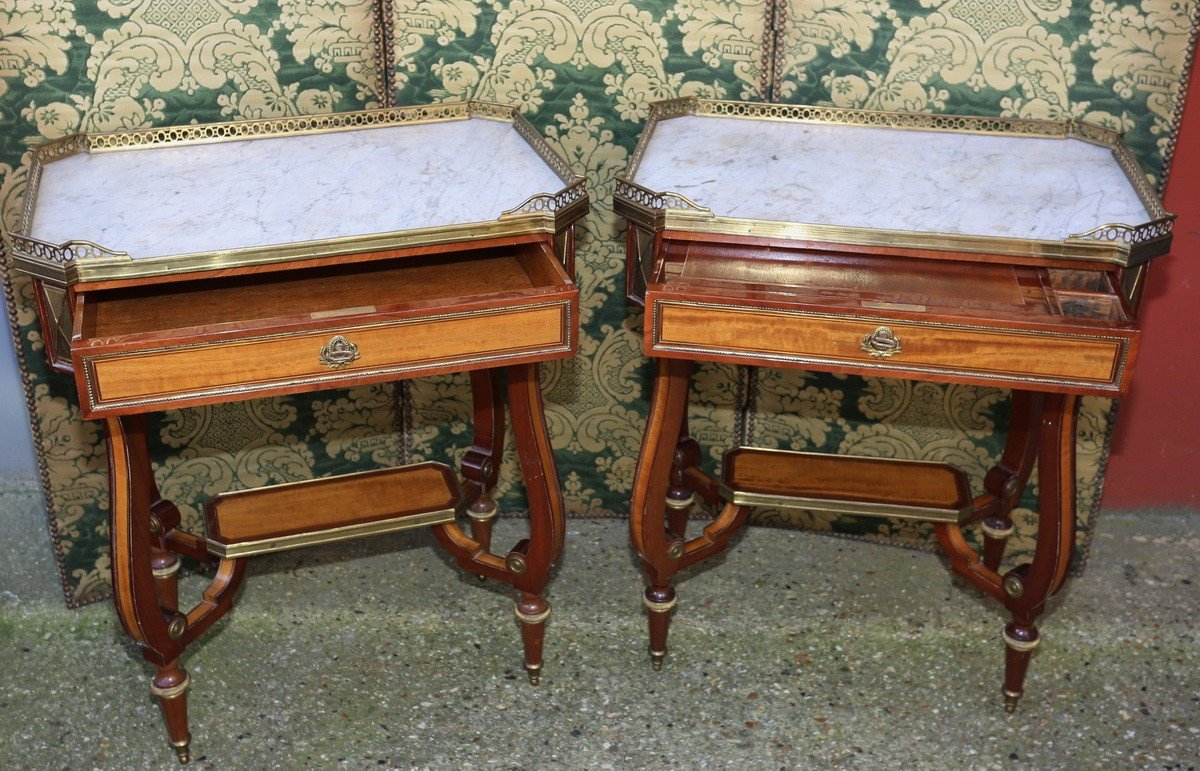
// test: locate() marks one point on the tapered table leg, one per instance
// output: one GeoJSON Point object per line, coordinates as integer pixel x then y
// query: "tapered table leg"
{"type": "Point", "coordinates": [660, 548]}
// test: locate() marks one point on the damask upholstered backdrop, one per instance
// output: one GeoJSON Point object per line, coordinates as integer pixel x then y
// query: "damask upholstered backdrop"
{"type": "Point", "coordinates": [583, 72]}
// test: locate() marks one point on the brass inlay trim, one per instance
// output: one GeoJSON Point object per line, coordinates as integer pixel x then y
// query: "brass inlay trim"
{"type": "Point", "coordinates": [532, 618]}
{"type": "Point", "coordinates": [330, 535]}
{"type": "Point", "coordinates": [484, 516]}
{"type": "Point", "coordinates": [173, 691]}
{"type": "Point", "coordinates": [1121, 244]}
{"type": "Point", "coordinates": [861, 508]}
{"type": "Point", "coordinates": [1021, 646]}
{"type": "Point", "coordinates": [876, 305]}
{"type": "Point", "coordinates": [342, 312]}
{"type": "Point", "coordinates": [80, 261]}
{"type": "Point", "coordinates": [681, 503]}
{"type": "Point", "coordinates": [168, 571]}
{"type": "Point", "coordinates": [1112, 385]}
{"type": "Point", "coordinates": [659, 607]}
{"type": "Point", "coordinates": [995, 532]}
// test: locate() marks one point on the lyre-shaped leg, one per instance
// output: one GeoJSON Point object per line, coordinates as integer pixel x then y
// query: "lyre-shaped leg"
{"type": "Point", "coordinates": [144, 573]}
{"type": "Point", "coordinates": [527, 565]}
{"type": "Point", "coordinates": [1028, 587]}
{"type": "Point", "coordinates": [531, 560]}
{"type": "Point", "coordinates": [660, 547]}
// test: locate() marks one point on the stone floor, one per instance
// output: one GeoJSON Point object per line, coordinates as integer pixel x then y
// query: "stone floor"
{"type": "Point", "coordinates": [793, 650]}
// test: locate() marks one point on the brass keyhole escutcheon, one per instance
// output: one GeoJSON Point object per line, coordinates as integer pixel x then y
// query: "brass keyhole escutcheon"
{"type": "Point", "coordinates": [339, 353]}
{"type": "Point", "coordinates": [881, 343]}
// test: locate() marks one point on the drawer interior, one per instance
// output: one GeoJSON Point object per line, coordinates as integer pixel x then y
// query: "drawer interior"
{"type": "Point", "coordinates": [883, 282]}
{"type": "Point", "coordinates": [321, 293]}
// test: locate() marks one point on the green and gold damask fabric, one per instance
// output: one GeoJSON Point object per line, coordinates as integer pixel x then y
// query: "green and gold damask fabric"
{"type": "Point", "coordinates": [583, 72]}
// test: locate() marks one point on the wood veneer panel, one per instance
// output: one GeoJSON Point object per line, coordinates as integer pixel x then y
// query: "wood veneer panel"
{"type": "Point", "coordinates": [848, 478]}
{"type": "Point", "coordinates": [410, 342]}
{"type": "Point", "coordinates": [320, 292]}
{"type": "Point", "coordinates": [321, 504]}
{"type": "Point", "coordinates": [797, 337]}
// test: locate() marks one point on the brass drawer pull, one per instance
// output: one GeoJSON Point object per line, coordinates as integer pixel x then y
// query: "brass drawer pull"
{"type": "Point", "coordinates": [339, 353]}
{"type": "Point", "coordinates": [881, 343]}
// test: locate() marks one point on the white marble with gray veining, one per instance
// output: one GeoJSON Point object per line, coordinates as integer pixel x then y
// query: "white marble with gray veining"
{"type": "Point", "coordinates": [927, 181]}
{"type": "Point", "coordinates": [261, 192]}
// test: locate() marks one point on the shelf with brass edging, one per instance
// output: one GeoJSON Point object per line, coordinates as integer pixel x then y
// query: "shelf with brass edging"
{"type": "Point", "coordinates": [846, 484]}
{"type": "Point", "coordinates": [317, 511]}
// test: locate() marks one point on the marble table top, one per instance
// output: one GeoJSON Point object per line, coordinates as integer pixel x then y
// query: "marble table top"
{"type": "Point", "coordinates": [908, 180]}
{"type": "Point", "coordinates": [184, 199]}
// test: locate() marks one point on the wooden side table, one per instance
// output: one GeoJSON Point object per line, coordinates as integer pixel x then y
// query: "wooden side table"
{"type": "Point", "coordinates": [943, 248]}
{"type": "Point", "coordinates": [250, 259]}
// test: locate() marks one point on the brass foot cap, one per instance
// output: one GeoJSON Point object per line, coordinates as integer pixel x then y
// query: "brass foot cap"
{"type": "Point", "coordinates": [656, 659]}
{"type": "Point", "coordinates": [1010, 701]}
{"type": "Point", "coordinates": [535, 672]}
{"type": "Point", "coordinates": [183, 751]}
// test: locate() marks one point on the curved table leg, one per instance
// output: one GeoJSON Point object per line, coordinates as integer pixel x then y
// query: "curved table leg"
{"type": "Point", "coordinates": [136, 588]}
{"type": "Point", "coordinates": [1028, 587]}
{"type": "Point", "coordinates": [1006, 481]}
{"type": "Point", "coordinates": [532, 559]}
{"type": "Point", "coordinates": [660, 549]}
{"type": "Point", "coordinates": [145, 573]}
{"type": "Point", "coordinates": [481, 464]}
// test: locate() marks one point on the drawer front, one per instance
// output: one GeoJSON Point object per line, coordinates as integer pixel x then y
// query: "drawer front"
{"type": "Point", "coordinates": [1077, 363]}
{"type": "Point", "coordinates": [326, 358]}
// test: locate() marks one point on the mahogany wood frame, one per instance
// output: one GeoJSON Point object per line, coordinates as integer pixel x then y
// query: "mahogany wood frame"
{"type": "Point", "coordinates": [147, 544]}
{"type": "Point", "coordinates": [669, 476]}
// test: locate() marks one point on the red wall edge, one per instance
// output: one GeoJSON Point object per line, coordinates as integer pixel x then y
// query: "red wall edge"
{"type": "Point", "coordinates": [1155, 458]}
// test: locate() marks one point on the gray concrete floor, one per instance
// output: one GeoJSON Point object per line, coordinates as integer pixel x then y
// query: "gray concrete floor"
{"type": "Point", "coordinates": [792, 650]}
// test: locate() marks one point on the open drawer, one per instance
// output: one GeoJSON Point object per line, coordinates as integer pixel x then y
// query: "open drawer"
{"type": "Point", "coordinates": [1007, 325]}
{"type": "Point", "coordinates": [236, 337]}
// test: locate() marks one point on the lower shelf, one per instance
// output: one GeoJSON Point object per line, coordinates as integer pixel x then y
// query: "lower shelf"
{"type": "Point", "coordinates": [846, 484]}
{"type": "Point", "coordinates": [288, 516]}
